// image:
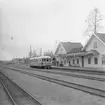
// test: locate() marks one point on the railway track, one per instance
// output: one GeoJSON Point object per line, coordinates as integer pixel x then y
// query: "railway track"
{"type": "Point", "coordinates": [4, 96]}
{"type": "Point", "coordinates": [82, 70]}
{"type": "Point", "coordinates": [91, 77]}
{"type": "Point", "coordinates": [16, 94]}
{"type": "Point", "coordinates": [90, 90]}
{"type": "Point", "coordinates": [68, 74]}
{"type": "Point", "coordinates": [73, 70]}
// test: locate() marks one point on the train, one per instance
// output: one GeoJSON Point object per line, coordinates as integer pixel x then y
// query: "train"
{"type": "Point", "coordinates": [42, 62]}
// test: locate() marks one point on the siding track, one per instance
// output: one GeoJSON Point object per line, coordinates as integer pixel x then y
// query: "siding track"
{"type": "Point", "coordinates": [77, 74]}
{"type": "Point", "coordinates": [90, 90]}
{"type": "Point", "coordinates": [4, 97]}
{"type": "Point", "coordinates": [16, 94]}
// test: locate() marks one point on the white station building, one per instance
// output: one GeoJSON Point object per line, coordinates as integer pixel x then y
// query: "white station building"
{"type": "Point", "coordinates": [92, 54]}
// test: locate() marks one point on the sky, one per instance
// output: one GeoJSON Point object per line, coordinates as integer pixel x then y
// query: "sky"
{"type": "Point", "coordinates": [42, 24]}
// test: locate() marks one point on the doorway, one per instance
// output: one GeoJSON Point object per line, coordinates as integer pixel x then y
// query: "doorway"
{"type": "Point", "coordinates": [82, 61]}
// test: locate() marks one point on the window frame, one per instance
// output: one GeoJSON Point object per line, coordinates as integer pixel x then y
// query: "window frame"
{"type": "Point", "coordinates": [77, 60]}
{"type": "Point", "coordinates": [73, 61]}
{"type": "Point", "coordinates": [95, 60]}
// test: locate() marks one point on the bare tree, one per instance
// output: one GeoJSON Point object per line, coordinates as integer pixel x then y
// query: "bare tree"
{"type": "Point", "coordinates": [48, 53]}
{"type": "Point", "coordinates": [94, 20]}
{"type": "Point", "coordinates": [34, 54]}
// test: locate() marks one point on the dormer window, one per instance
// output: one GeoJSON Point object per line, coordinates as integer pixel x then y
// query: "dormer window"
{"type": "Point", "coordinates": [95, 45]}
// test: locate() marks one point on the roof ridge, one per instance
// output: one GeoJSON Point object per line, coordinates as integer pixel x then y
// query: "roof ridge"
{"type": "Point", "coordinates": [70, 42]}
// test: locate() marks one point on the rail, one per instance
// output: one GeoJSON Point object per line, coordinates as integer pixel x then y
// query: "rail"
{"type": "Point", "coordinates": [102, 79]}
{"type": "Point", "coordinates": [16, 93]}
{"type": "Point", "coordinates": [90, 90]}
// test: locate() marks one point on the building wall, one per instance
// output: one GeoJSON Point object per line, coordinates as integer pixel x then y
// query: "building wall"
{"type": "Point", "coordinates": [102, 60]}
{"type": "Point", "coordinates": [100, 48]}
{"type": "Point", "coordinates": [75, 61]}
{"type": "Point", "coordinates": [92, 61]}
{"type": "Point", "coordinates": [61, 50]}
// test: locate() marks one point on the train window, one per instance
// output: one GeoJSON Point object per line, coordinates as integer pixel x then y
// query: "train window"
{"type": "Point", "coordinates": [43, 59]}
{"type": "Point", "coordinates": [47, 59]}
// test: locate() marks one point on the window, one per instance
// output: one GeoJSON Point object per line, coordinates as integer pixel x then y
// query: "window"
{"type": "Point", "coordinates": [43, 59]}
{"type": "Point", "coordinates": [95, 45]}
{"type": "Point", "coordinates": [103, 62]}
{"type": "Point", "coordinates": [89, 60]}
{"type": "Point", "coordinates": [73, 61]}
{"type": "Point", "coordinates": [95, 60]}
{"type": "Point", "coordinates": [103, 59]}
{"type": "Point", "coordinates": [77, 61]}
{"type": "Point", "coordinates": [47, 59]}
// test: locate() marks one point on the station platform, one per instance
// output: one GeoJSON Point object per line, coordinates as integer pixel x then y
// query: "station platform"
{"type": "Point", "coordinates": [80, 68]}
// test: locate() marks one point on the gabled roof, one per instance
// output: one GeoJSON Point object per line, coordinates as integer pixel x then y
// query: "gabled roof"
{"type": "Point", "coordinates": [69, 46]}
{"type": "Point", "coordinates": [83, 53]}
{"type": "Point", "coordinates": [75, 50]}
{"type": "Point", "coordinates": [100, 36]}
{"type": "Point", "coordinates": [58, 48]}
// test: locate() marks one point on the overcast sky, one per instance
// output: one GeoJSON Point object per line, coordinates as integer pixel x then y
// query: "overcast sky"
{"type": "Point", "coordinates": [40, 23]}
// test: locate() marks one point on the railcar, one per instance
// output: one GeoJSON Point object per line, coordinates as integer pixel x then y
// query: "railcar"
{"type": "Point", "coordinates": [42, 62]}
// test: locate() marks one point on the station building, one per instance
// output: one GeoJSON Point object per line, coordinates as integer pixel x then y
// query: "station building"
{"type": "Point", "coordinates": [62, 51]}
{"type": "Point", "coordinates": [92, 54]}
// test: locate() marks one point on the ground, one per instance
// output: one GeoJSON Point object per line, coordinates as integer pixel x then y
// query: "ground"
{"type": "Point", "coordinates": [53, 94]}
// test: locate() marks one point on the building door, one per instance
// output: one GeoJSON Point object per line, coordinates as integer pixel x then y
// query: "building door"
{"type": "Point", "coordinates": [82, 61]}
